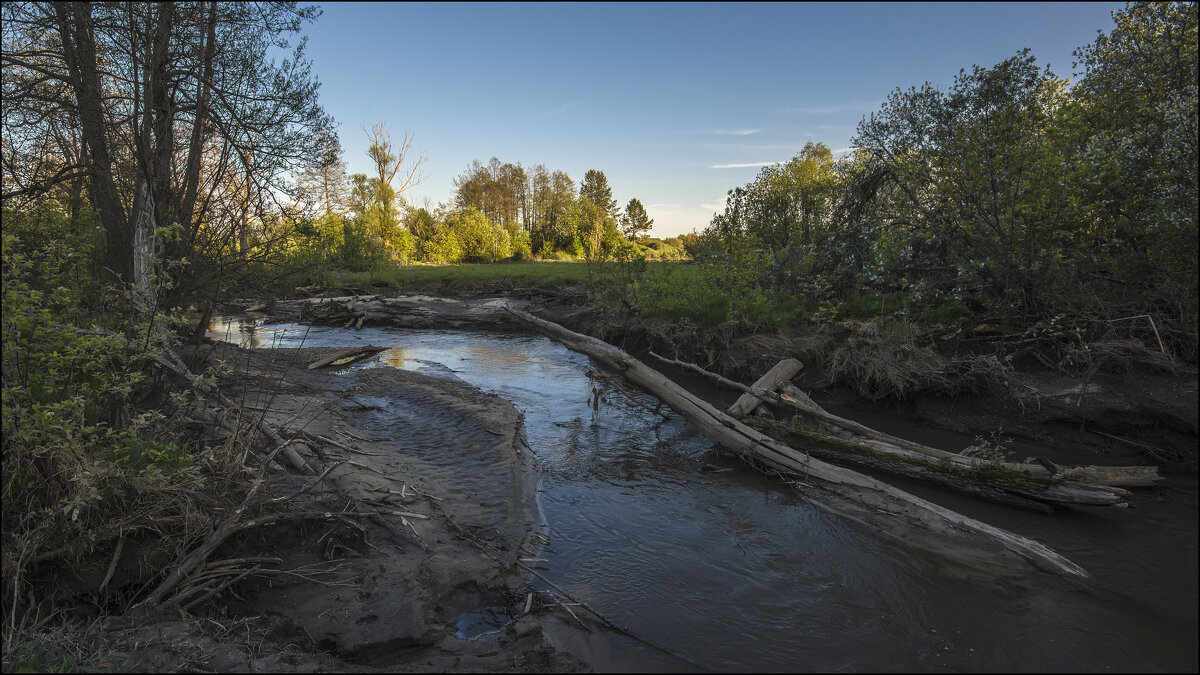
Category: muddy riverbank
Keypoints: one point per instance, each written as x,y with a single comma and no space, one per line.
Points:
444,468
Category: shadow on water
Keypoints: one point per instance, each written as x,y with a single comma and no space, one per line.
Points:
736,572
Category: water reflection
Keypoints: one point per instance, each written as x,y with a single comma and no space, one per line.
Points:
241,330
395,358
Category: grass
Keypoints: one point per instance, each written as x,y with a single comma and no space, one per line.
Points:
71,647
545,274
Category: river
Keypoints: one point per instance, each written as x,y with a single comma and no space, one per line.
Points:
736,571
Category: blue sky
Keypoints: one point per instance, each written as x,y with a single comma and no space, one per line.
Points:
676,103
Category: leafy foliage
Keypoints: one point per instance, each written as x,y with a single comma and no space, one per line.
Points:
1010,194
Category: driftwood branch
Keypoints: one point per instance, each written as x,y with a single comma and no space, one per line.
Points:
782,372
358,354
838,439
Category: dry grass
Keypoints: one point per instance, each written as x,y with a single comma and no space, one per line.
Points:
878,365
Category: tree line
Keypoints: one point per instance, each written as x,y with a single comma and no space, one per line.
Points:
1013,193
498,210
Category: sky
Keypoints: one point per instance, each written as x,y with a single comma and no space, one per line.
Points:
677,103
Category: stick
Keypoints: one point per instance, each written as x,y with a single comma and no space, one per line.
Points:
357,352
311,483
779,374
112,566
657,410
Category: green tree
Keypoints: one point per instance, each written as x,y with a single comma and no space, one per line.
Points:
1137,125
481,240
595,187
325,184
159,93
500,191
635,222
977,169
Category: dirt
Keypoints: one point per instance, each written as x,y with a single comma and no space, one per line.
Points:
449,457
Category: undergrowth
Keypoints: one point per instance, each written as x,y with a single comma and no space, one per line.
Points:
96,455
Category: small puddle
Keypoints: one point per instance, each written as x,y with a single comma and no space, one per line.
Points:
736,572
474,625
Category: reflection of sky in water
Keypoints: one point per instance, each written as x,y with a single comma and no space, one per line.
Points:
249,330
455,354
394,357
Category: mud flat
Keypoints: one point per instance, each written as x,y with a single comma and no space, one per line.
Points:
451,485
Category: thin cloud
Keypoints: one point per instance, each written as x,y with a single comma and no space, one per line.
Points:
734,132
718,206
842,151
826,109
742,165
757,148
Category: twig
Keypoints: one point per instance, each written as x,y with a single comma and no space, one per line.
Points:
112,566
214,539
425,494
356,437
230,562
656,410
1152,327
1154,452
364,466
711,375
574,616
219,588
311,483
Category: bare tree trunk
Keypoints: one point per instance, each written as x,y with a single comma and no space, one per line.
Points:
191,176
79,50
143,248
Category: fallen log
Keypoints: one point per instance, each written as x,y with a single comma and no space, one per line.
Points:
1111,476
781,372
358,353
843,439
879,498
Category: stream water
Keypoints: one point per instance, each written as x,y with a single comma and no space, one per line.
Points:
735,571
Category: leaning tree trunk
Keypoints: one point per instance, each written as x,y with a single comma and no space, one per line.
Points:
143,249
760,449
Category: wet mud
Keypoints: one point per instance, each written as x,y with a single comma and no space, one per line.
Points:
448,456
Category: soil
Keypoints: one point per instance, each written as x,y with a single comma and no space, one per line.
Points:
449,457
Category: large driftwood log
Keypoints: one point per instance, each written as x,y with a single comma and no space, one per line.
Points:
781,372
1113,476
357,352
760,449
837,439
